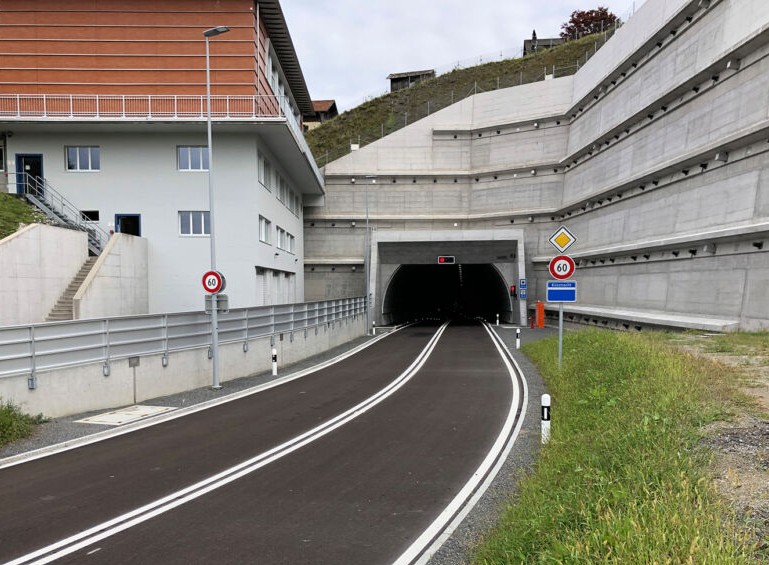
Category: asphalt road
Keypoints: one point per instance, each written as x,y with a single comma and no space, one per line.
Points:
361,493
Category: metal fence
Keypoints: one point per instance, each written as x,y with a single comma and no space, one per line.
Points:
39,347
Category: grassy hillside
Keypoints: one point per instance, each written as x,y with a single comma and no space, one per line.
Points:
14,211
378,117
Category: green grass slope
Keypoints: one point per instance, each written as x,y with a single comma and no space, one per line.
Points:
13,212
378,117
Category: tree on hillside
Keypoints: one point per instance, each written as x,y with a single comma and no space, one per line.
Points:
587,22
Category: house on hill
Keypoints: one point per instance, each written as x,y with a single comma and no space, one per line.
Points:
323,110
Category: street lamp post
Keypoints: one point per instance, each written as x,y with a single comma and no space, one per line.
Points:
367,256
213,32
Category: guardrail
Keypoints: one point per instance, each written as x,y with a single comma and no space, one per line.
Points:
40,347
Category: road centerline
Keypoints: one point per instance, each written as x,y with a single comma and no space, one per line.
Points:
106,529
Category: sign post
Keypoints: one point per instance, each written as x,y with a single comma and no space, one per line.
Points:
214,283
561,267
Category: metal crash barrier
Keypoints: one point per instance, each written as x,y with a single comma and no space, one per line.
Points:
27,349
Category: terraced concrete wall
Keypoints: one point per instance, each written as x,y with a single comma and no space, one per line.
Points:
654,154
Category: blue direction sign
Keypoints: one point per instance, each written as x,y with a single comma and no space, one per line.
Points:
522,293
561,291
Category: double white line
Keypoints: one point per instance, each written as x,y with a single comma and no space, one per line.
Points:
431,540
148,511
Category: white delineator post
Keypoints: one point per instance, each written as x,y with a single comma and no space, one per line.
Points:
497,319
274,362
517,338
545,418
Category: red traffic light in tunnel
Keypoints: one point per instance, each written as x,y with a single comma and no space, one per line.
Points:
512,290
446,259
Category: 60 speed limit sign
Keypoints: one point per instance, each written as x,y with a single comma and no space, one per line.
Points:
213,282
561,267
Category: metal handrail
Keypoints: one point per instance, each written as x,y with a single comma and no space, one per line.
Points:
43,195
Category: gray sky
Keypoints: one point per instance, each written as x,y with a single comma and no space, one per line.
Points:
348,47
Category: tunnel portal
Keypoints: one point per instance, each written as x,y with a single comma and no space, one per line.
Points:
446,292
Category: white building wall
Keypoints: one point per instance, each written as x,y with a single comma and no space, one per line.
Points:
139,175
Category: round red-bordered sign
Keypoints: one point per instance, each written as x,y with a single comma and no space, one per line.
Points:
213,282
561,267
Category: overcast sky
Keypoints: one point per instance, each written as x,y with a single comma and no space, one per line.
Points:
348,47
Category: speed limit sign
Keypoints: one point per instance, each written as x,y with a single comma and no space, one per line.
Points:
213,282
561,267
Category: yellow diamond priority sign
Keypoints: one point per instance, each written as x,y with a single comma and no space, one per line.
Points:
562,239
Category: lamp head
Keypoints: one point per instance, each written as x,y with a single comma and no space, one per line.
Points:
214,31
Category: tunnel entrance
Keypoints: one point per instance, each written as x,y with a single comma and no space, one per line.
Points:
447,292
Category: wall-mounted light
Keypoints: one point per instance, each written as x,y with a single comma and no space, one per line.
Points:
352,180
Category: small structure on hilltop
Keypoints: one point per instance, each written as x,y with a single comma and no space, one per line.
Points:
533,45
399,81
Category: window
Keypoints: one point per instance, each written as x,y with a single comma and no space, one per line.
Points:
291,243
265,231
2,158
90,215
286,241
260,165
81,158
194,223
193,157
267,181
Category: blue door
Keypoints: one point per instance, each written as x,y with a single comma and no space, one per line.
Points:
29,174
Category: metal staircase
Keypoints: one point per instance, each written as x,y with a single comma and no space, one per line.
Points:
60,210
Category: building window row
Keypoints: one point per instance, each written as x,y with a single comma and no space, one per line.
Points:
272,180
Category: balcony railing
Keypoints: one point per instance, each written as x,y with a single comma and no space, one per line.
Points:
151,107
98,106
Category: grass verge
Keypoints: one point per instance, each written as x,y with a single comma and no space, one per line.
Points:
622,479
14,424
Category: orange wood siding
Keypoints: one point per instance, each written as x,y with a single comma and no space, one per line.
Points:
128,47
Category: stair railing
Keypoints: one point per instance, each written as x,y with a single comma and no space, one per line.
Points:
54,205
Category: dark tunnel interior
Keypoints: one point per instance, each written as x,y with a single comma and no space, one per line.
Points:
446,292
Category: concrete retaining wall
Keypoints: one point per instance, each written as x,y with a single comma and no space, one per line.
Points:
117,284
84,388
654,155
37,263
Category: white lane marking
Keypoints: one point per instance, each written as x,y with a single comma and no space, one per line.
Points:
181,412
436,534
111,527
